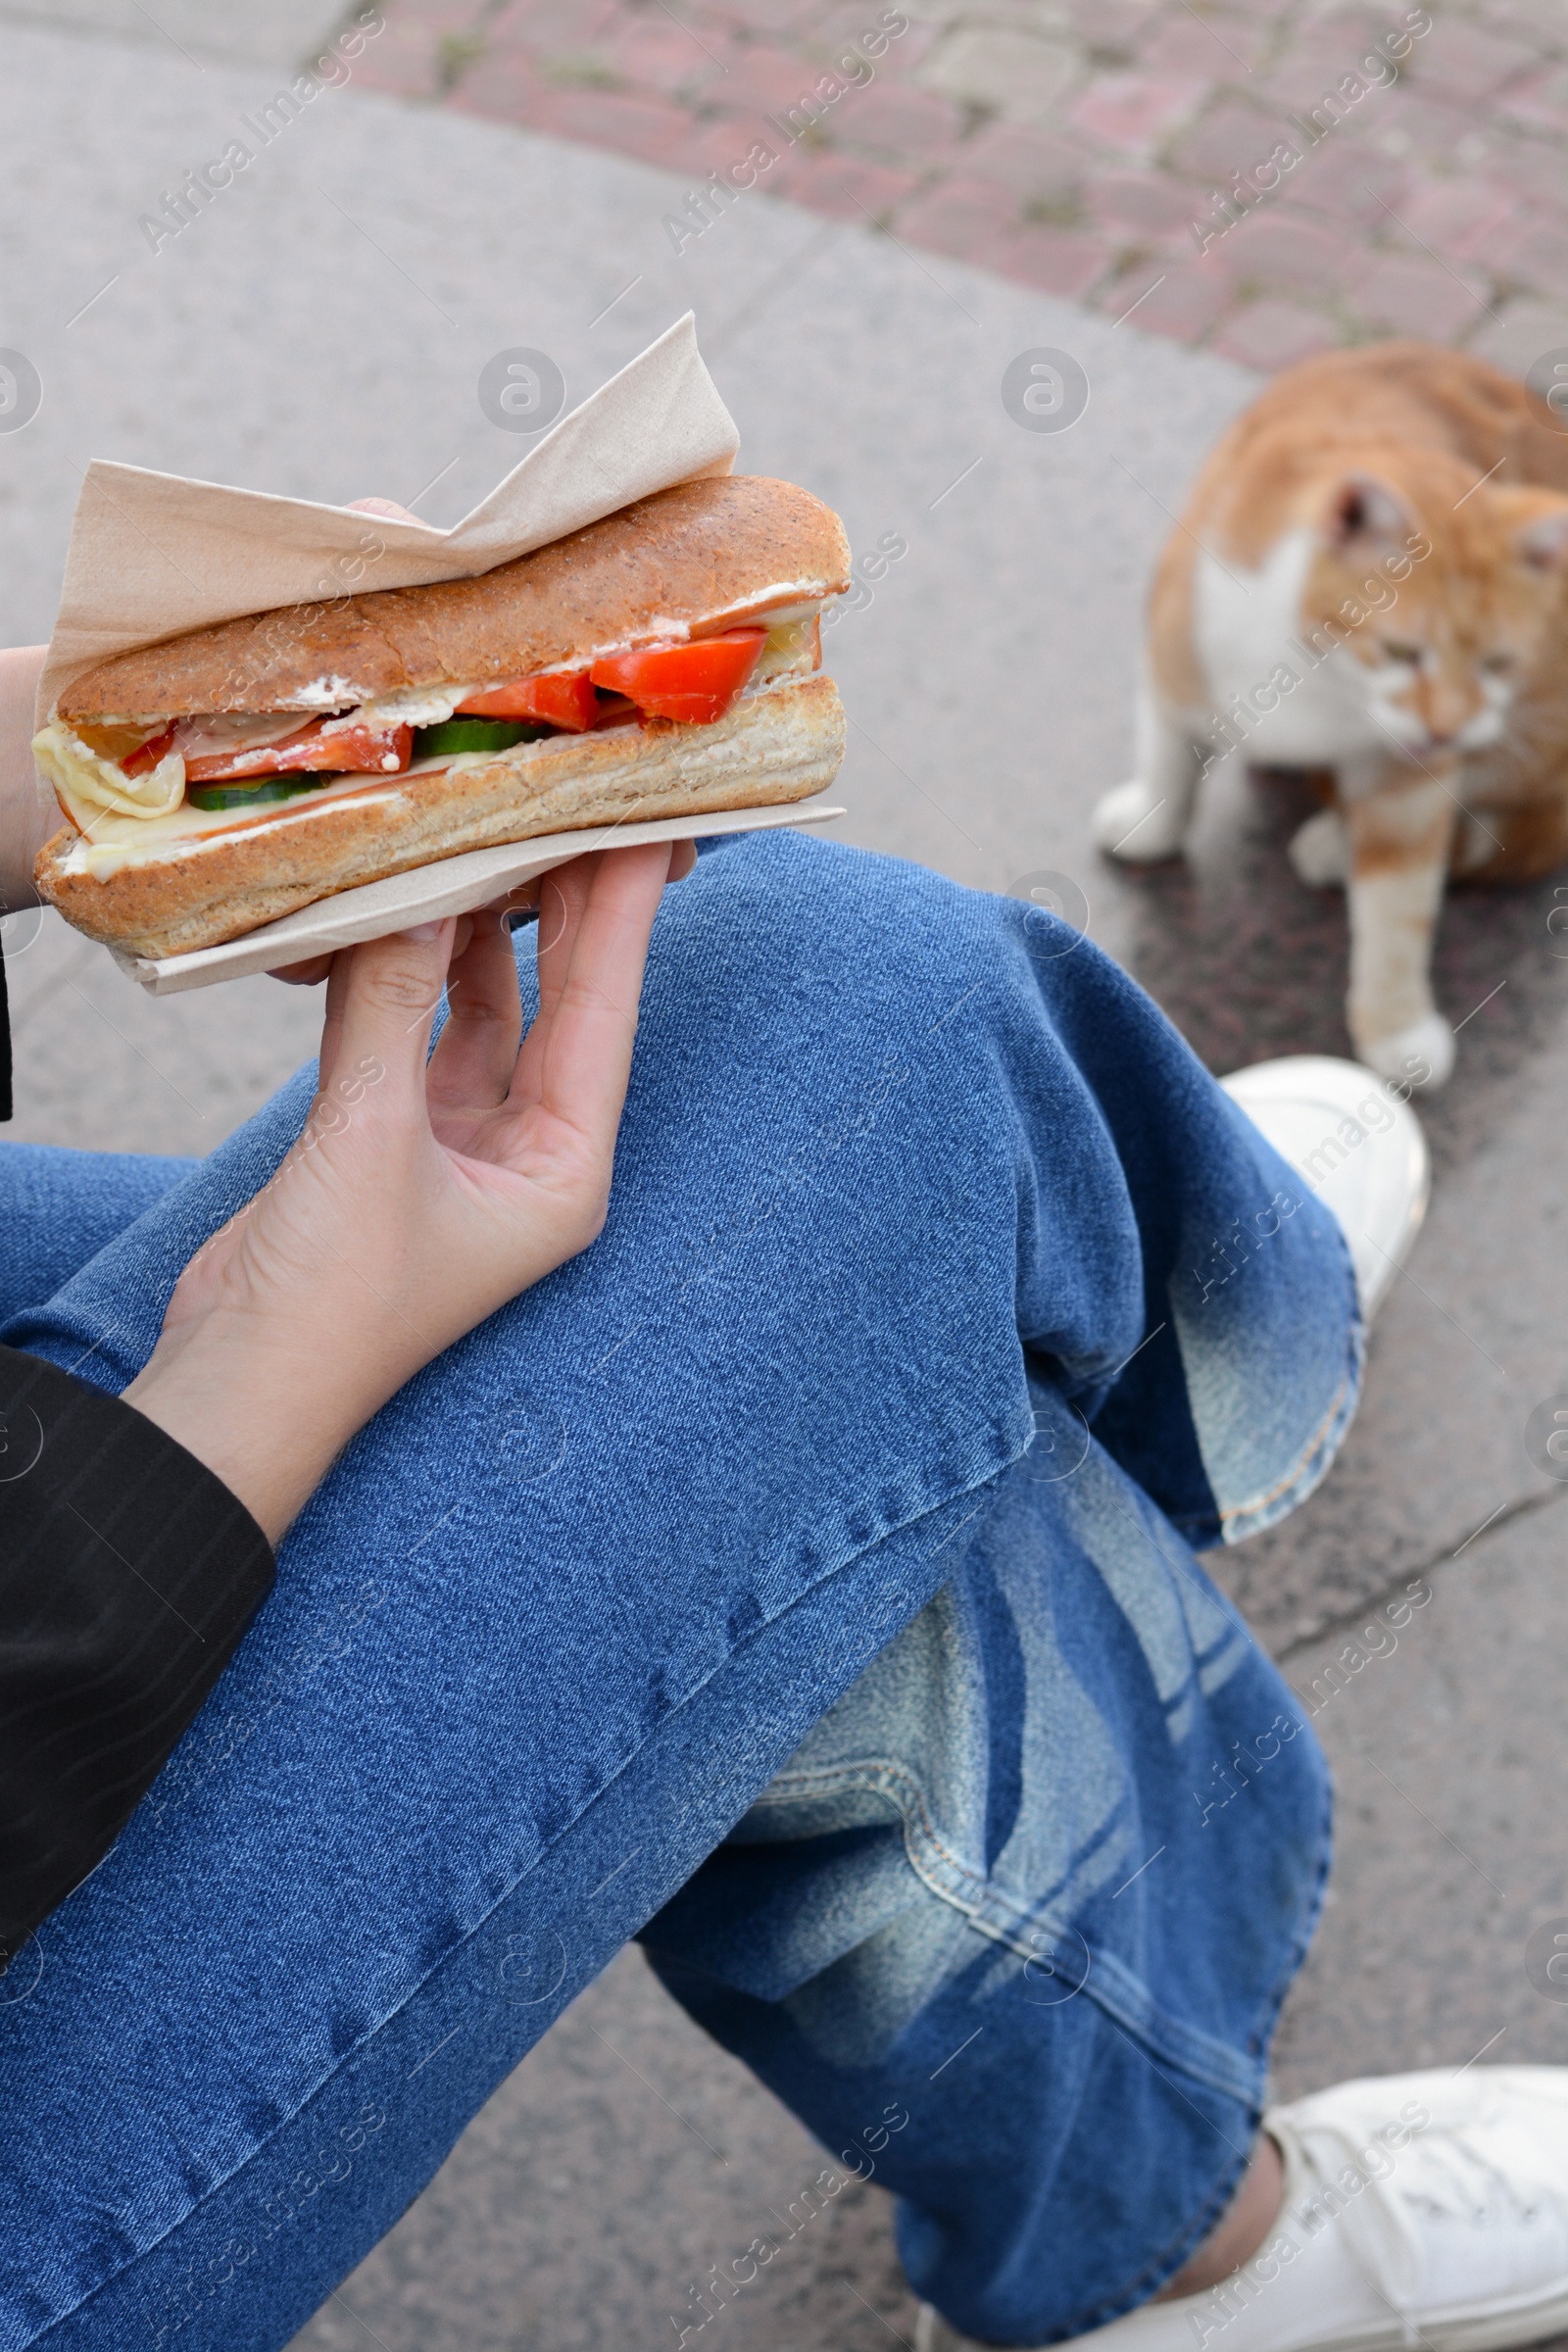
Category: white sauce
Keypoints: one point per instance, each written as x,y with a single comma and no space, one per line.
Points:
411,707
327,694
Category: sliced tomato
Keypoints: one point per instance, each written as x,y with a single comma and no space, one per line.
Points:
147,755
696,682
565,698
614,709
347,750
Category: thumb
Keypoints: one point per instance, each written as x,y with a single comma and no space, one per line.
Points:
381,1002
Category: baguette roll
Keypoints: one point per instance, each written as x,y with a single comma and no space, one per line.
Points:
157,863
704,555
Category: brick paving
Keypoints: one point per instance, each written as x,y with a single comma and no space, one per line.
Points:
1265,177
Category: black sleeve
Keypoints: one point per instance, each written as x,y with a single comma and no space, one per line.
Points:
127,1574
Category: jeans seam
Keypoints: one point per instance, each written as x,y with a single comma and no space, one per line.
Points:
991,1911
1161,2268
1232,1515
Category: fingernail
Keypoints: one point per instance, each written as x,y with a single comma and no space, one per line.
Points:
423,932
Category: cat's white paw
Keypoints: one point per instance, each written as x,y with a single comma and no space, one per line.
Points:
1475,845
1137,825
1320,851
1420,1057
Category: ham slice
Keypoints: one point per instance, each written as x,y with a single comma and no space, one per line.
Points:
325,746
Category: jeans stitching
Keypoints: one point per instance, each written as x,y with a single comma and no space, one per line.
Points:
1238,1520
1002,1917
1349,1385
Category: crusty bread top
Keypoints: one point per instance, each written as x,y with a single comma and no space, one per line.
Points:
684,555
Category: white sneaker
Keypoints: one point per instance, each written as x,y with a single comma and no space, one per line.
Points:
1422,2210
1353,1141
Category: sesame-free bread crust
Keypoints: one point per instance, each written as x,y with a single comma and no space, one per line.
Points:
688,555
781,743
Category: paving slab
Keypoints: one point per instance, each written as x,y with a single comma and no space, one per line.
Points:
321,331
286,33
1160,142
1449,1741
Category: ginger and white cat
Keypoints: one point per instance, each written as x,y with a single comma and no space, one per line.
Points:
1371,580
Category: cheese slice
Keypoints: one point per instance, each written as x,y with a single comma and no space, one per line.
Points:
103,784
110,842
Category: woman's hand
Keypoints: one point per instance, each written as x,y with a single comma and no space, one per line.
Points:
421,1196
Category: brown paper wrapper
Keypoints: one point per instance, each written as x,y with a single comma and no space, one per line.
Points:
154,555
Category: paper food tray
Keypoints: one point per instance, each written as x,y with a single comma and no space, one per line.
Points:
454,886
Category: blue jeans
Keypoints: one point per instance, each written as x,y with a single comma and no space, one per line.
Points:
799,1580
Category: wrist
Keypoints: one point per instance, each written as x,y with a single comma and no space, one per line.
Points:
26,819
265,1409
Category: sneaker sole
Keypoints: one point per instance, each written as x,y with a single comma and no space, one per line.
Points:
1524,2321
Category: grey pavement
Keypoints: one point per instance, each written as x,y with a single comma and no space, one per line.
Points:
1449,1749
280,34
319,331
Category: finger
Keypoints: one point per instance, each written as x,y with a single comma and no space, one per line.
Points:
312,969
586,1052
381,506
337,981
563,894
381,1000
477,1050
522,898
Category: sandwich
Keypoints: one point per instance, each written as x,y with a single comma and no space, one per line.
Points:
664,661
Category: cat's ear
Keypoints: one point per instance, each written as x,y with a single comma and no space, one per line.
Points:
1363,511
1543,544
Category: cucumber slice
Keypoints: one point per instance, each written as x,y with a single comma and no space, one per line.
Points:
475,735
263,788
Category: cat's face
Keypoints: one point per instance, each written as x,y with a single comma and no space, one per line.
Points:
1445,615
